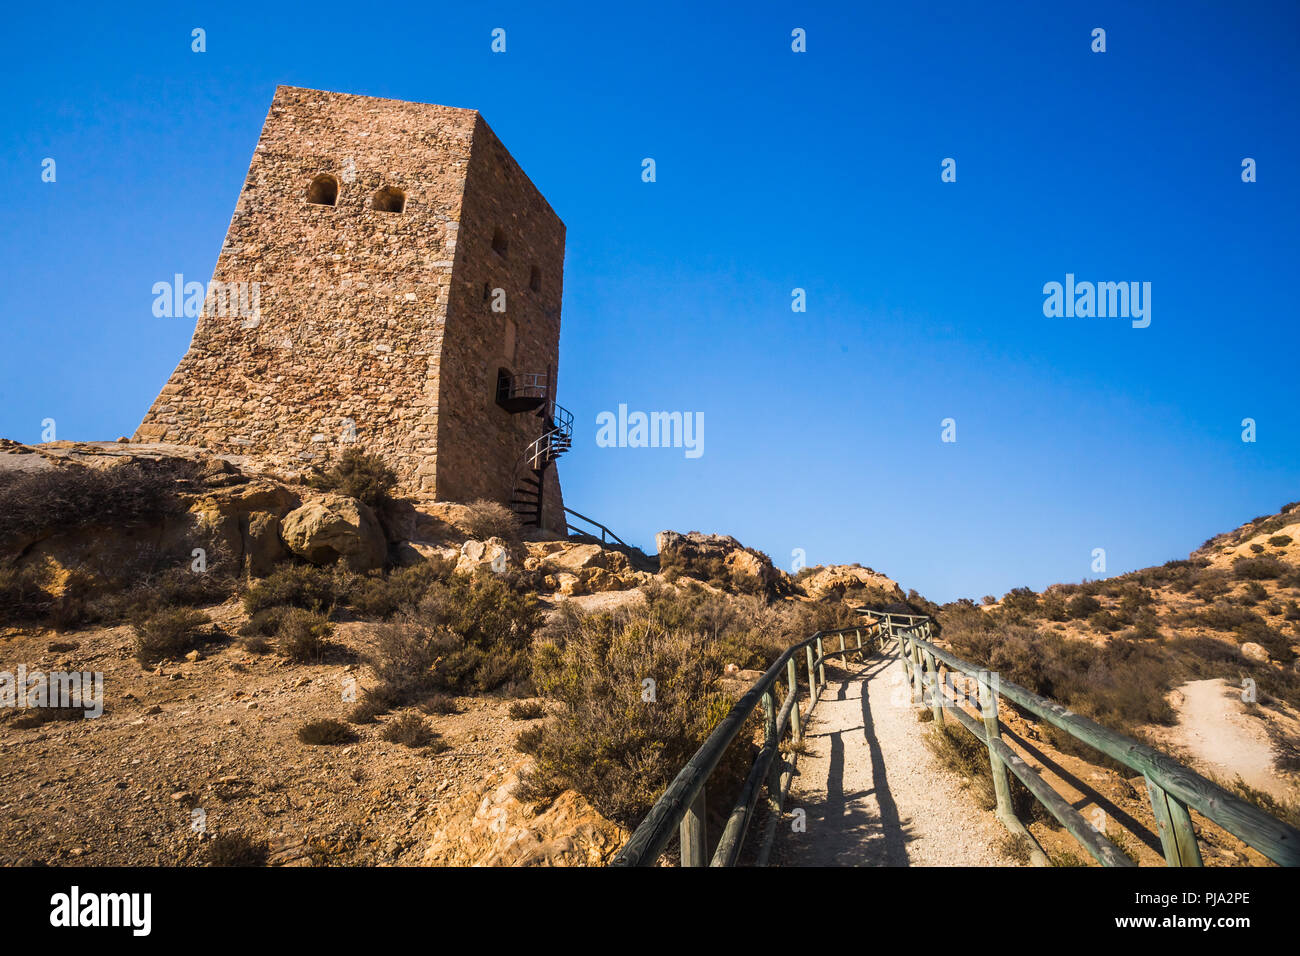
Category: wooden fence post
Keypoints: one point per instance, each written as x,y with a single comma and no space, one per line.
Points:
843,658
812,678
1177,838
857,632
918,695
792,678
989,708
691,833
821,668
936,703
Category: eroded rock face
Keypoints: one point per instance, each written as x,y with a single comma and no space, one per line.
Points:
838,578
335,527
502,831
696,550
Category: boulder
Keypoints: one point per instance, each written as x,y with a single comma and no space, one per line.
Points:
407,553
1254,652
575,558
334,527
493,554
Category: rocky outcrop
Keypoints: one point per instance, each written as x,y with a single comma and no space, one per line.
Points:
503,831
335,527
834,580
702,555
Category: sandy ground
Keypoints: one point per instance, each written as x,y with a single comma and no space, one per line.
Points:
873,792
1216,732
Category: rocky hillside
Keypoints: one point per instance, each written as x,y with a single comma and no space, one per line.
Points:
1197,657
299,669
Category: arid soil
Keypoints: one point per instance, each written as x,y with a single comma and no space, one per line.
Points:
218,735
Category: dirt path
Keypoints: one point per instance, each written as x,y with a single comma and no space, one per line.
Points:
873,792
1214,728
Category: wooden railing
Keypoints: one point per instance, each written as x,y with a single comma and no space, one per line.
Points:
681,809
1172,787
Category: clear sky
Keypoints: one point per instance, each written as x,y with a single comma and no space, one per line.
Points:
776,170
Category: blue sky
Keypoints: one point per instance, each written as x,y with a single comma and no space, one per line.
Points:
775,170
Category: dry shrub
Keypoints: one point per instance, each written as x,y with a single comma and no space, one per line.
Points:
295,585
470,634
303,636
1121,684
381,595
68,497
483,519
411,730
616,739
168,634
527,710
957,749
359,475
326,732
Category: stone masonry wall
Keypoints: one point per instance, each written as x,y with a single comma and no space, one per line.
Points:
476,437
377,318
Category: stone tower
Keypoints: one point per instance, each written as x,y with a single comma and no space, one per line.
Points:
405,279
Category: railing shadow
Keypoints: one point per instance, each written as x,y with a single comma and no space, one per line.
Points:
842,829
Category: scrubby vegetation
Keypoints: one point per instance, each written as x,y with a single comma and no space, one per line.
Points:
490,519
70,497
303,636
168,634
326,732
412,730
960,752
469,634
361,475
638,697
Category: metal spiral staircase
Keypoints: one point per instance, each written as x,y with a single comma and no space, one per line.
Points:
525,393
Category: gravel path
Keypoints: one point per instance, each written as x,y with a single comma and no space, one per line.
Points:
873,792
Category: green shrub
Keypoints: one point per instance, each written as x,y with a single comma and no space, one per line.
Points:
168,634
265,622
303,636
297,585
382,595
1083,606
326,732
1280,540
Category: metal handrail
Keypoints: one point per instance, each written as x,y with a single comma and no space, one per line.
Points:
525,385
592,521
1172,787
